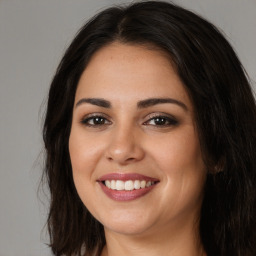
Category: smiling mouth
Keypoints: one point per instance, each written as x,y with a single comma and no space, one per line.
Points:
128,185
125,187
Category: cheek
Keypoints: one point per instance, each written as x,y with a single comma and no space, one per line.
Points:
178,153
84,152
180,161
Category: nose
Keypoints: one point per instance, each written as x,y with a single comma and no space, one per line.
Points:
125,146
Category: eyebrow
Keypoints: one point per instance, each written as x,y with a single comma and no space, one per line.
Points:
95,101
154,101
141,104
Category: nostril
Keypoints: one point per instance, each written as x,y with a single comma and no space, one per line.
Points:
110,158
130,159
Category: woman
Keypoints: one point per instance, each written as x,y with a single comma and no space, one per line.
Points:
150,139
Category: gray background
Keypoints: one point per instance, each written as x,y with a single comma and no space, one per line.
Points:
33,37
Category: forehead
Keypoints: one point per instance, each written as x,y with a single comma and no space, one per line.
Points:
124,70
130,56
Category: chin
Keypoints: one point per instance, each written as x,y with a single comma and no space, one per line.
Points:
131,229
127,224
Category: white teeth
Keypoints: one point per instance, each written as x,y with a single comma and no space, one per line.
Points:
108,184
137,184
119,185
143,184
113,184
128,185
148,184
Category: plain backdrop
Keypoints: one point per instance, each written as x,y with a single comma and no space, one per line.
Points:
33,37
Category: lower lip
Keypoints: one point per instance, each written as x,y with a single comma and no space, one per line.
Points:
124,195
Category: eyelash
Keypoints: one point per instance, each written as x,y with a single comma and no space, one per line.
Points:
163,121
100,120
97,118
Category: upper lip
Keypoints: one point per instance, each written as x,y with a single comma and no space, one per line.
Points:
126,176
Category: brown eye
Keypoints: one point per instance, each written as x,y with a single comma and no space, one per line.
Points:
161,121
95,121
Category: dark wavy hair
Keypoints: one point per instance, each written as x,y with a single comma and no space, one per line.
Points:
225,116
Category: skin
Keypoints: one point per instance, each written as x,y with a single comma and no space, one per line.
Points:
129,139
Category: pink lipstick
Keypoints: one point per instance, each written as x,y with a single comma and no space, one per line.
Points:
125,187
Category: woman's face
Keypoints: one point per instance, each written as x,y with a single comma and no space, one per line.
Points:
134,147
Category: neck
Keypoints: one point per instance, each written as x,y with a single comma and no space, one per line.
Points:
184,242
